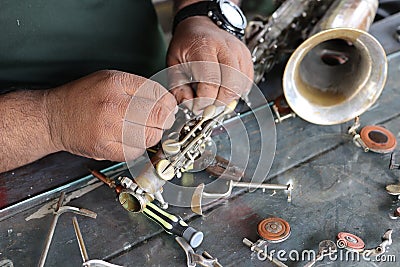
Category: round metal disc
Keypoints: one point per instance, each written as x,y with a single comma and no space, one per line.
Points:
378,139
164,170
350,241
274,229
393,189
170,148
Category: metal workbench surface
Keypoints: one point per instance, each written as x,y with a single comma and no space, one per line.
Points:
337,188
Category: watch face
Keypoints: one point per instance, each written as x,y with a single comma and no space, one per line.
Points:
233,14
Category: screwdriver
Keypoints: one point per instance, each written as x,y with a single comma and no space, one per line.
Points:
173,224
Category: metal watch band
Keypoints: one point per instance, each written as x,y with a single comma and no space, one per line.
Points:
196,9
204,8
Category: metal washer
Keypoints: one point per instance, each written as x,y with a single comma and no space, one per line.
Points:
273,229
371,134
351,241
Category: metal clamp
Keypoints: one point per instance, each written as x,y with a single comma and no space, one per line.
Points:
192,258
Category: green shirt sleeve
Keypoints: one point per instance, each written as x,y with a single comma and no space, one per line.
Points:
45,43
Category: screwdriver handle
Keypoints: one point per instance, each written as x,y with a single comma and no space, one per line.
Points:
173,224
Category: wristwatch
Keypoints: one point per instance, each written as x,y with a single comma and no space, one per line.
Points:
224,13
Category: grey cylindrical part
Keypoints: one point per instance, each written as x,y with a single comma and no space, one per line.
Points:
194,237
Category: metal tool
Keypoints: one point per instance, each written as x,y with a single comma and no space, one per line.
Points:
219,167
131,196
325,248
84,254
60,209
356,137
271,230
257,247
199,192
193,259
393,165
173,224
279,117
382,247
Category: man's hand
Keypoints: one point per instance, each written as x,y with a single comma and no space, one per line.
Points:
199,39
87,117
99,116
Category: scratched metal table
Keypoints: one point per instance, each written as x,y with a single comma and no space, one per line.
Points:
337,187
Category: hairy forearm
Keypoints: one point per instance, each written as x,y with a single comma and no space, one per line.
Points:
24,131
179,4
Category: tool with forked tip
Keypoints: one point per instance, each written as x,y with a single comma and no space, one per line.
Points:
199,192
84,254
60,209
193,259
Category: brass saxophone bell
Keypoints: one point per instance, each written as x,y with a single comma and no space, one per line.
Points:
339,72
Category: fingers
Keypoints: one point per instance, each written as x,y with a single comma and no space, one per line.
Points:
135,135
208,76
231,83
126,141
116,151
212,81
179,79
145,112
223,75
137,86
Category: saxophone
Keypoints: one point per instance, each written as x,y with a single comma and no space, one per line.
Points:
271,39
